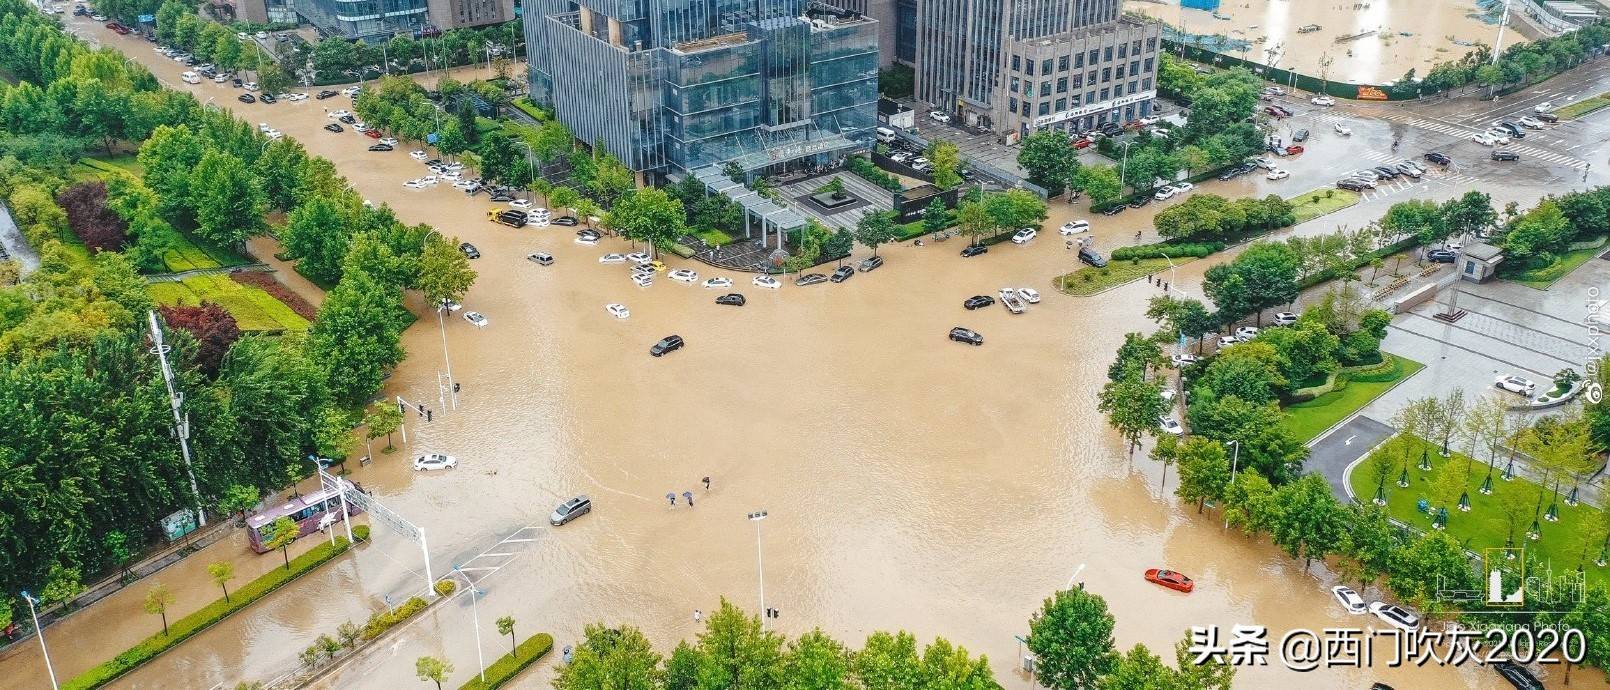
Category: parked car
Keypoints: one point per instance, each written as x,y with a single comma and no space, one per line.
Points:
1505,155
1326,101
1029,295
977,302
1441,256
1245,333
1549,118
1074,227
972,250
1515,384
1181,359
871,263
683,275
435,461
1024,235
570,510
540,258
842,274
1300,135
1410,169
1178,582
938,116
267,98
381,147
326,94
731,299
966,335
1349,599
1113,210
1544,107
1169,425
333,127
1517,675
1277,174
810,279
567,221
1395,616
477,318
469,250
767,282
1284,318
1092,257
1164,193
246,98
1530,122
670,343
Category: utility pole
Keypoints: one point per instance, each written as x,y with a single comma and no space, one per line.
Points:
41,633
181,421
1498,42
760,563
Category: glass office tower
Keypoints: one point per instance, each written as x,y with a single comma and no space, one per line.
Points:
674,85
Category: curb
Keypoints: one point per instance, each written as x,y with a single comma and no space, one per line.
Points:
1332,429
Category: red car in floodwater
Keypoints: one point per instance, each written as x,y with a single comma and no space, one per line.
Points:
1170,579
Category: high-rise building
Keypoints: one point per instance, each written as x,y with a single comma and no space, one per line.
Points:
381,19
676,85
1015,66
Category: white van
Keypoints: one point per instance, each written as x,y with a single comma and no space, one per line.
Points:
885,134
191,78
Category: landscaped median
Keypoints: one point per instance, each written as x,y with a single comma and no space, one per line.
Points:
510,665
1584,106
1315,203
1091,280
184,628
1354,388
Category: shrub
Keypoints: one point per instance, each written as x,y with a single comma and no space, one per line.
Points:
510,665
445,587
382,621
1174,250
866,169
182,629
360,532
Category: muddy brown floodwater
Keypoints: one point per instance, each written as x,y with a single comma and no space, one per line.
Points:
911,483
1408,34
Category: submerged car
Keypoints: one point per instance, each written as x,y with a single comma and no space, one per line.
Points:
810,279
670,343
1178,582
570,510
966,335
731,299
435,461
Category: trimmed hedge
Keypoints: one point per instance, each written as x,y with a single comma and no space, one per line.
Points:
1196,250
1360,262
525,105
866,169
187,627
382,621
510,665
360,533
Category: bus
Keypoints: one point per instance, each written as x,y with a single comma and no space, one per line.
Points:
311,512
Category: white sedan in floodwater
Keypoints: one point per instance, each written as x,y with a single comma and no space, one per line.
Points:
435,461
684,275
718,282
767,282
618,311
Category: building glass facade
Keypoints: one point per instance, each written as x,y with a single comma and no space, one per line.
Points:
674,85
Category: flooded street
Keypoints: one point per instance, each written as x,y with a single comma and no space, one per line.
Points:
911,483
1397,35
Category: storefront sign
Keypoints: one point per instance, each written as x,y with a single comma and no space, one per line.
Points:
1370,93
1119,102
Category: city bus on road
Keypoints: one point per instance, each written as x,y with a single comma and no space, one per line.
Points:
311,512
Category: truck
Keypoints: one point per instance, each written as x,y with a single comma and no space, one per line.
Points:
513,218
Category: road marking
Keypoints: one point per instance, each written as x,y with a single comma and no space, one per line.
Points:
1075,576
1349,440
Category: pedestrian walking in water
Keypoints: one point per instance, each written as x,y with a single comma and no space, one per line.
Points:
671,496
688,495
707,483
696,615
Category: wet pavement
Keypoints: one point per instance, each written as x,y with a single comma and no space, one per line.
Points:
911,482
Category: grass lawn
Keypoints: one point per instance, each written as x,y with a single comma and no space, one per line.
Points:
714,237
190,254
1315,203
1091,280
1542,278
1308,419
99,167
253,309
1584,106
1484,526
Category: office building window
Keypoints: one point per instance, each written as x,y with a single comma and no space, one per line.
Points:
1118,73
1062,85
1136,48
1028,108
1134,67
1045,66
1149,64
1045,108
1090,97
1062,64
1030,70
1091,77
1123,51
1095,56
1079,60
1146,84
1062,104
1011,104
1107,54
1074,100
1106,74
1078,80
1045,88
1028,89
1017,64
1106,93
1151,44
1133,87
1014,84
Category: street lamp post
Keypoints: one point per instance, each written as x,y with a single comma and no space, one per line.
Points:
1235,463
41,633
442,327
760,564
475,615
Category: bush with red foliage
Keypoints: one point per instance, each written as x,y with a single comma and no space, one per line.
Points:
274,287
213,328
90,219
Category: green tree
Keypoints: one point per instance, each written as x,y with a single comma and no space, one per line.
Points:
319,234
221,573
500,158
1139,669
157,599
973,220
888,661
1434,562
816,661
935,216
876,229
1210,673
647,215
1132,405
356,336
383,419
1591,615
1265,443
1071,638
101,111
1100,182
1137,354
444,272
1263,276
1416,218
506,627
949,667
1250,372
611,180
62,585
273,80
1249,502
1048,157
1181,317
1468,214
1308,520
281,533
168,157
228,200
734,651
433,669
947,163
611,659
279,172
1204,470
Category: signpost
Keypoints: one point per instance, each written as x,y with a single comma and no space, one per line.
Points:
378,511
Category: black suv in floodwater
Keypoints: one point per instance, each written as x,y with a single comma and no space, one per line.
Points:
974,250
966,335
1438,158
670,343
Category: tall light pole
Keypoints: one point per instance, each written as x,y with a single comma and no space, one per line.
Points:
1235,463
760,564
442,327
181,420
475,614
41,633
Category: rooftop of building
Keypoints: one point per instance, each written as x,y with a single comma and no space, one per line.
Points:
823,17
887,106
713,42
1123,20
